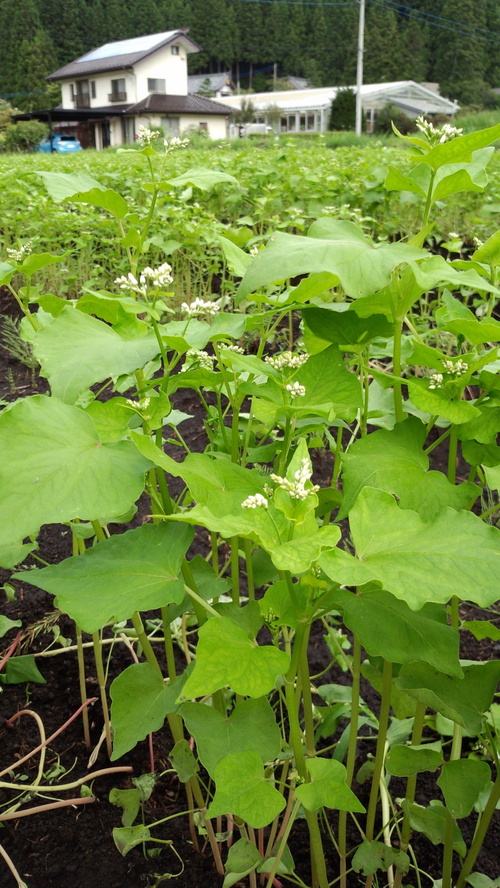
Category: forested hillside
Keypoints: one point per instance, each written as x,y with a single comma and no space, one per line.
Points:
454,42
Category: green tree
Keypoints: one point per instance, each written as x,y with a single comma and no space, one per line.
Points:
343,110
461,57
382,58
414,55
35,61
19,20
65,22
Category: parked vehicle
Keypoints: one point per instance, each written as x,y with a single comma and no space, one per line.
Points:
60,144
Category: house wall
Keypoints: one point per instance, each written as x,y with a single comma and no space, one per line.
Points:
214,125
171,68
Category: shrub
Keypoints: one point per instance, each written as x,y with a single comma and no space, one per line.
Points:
25,136
392,114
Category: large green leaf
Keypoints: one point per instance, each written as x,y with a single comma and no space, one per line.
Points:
462,781
327,787
403,761
464,700
395,461
242,788
77,350
388,628
336,247
134,571
242,858
227,656
83,189
204,179
251,725
460,150
432,822
53,468
140,702
329,383
418,561
436,403
335,323
373,856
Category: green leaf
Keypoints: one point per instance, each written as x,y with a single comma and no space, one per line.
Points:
134,571
204,179
403,761
227,656
373,856
6,625
82,188
183,761
327,787
251,725
474,331
63,471
127,799
13,554
462,781
395,461
415,181
335,323
236,258
328,382
37,261
141,700
461,149
452,178
489,252
436,403
128,837
20,669
77,350
464,700
242,858
482,629
418,561
241,788
336,247
432,823
388,628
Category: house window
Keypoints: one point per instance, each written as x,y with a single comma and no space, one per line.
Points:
203,125
171,125
156,85
82,99
92,88
118,93
175,50
72,91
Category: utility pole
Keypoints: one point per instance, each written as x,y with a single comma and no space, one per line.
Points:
359,68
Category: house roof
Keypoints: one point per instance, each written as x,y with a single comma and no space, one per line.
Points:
122,54
158,103
407,94
216,81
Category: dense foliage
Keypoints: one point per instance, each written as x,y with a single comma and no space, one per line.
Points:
455,42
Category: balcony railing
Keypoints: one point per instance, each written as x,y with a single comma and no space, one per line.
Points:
82,101
117,97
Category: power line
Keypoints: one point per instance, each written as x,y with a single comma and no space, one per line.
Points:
401,8
300,2
386,4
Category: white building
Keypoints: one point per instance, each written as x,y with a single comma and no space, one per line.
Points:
308,110
143,81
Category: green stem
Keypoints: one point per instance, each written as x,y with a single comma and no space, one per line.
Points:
456,747
82,684
351,755
287,437
452,455
378,764
247,545
145,643
169,647
101,679
411,785
282,845
396,369
235,569
428,202
481,830
448,850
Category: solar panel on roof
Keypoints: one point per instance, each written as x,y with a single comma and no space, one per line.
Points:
123,47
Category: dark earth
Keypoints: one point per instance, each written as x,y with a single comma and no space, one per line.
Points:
72,847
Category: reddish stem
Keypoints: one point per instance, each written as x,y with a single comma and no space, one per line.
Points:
11,650
64,803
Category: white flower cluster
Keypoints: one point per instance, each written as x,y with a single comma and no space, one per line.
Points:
159,277
458,369
256,501
437,135
254,251
130,282
477,242
286,361
233,348
200,307
297,487
146,136
436,381
197,356
296,390
20,254
175,143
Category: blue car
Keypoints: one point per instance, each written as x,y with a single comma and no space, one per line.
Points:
60,144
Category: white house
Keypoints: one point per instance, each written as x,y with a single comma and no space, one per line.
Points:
308,110
143,81
217,84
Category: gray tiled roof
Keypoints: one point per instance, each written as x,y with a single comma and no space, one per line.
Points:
217,81
122,54
163,104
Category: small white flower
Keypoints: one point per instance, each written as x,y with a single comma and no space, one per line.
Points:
457,368
159,277
174,143
254,251
453,234
233,348
200,307
20,254
129,282
477,242
286,360
436,381
195,356
297,488
296,390
437,135
146,136
255,501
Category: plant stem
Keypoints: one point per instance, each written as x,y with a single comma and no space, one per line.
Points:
8,861
448,850
411,785
281,849
101,678
247,545
235,570
452,454
396,369
62,803
169,647
385,706
481,830
145,643
351,754
82,684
